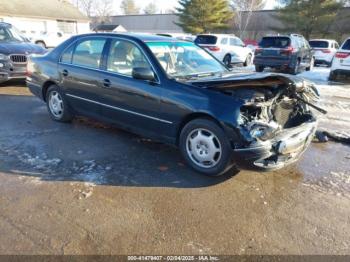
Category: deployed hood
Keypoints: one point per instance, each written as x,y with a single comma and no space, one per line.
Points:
14,47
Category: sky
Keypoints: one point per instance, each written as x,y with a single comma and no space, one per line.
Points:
164,5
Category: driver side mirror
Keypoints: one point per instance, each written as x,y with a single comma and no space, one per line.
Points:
143,73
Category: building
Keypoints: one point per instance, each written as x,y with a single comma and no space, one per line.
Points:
43,16
261,23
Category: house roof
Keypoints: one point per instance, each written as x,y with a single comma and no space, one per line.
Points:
49,9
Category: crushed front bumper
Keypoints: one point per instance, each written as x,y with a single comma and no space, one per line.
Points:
284,149
10,70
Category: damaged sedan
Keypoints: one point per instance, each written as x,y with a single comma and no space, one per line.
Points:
175,92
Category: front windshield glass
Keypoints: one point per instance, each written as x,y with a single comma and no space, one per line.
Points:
185,60
9,33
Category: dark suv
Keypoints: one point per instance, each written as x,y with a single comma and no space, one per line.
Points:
287,53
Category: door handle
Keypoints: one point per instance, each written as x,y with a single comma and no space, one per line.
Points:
106,83
65,72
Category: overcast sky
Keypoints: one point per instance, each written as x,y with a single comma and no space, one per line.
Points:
164,5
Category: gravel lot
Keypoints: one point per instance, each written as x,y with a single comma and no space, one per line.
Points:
89,188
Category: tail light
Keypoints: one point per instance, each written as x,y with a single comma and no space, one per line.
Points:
326,51
342,55
213,48
287,51
258,50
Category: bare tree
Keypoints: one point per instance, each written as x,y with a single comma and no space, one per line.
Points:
129,7
243,12
151,8
99,8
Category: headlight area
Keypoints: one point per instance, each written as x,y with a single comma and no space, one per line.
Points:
3,60
257,124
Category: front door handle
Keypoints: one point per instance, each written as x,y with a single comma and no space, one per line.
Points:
65,72
106,83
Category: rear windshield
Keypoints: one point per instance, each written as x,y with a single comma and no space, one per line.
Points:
206,39
346,45
275,42
319,44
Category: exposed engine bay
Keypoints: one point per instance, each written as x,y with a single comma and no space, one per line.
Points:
272,103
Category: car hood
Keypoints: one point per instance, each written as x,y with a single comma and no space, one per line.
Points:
233,80
8,48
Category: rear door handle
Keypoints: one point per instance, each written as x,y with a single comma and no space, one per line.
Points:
106,83
65,72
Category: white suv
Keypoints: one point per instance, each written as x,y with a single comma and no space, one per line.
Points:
227,48
341,61
324,49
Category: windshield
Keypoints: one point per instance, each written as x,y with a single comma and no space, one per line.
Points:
319,44
185,59
275,42
9,33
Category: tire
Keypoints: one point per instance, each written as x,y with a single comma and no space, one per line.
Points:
248,60
312,63
57,105
295,69
227,60
208,156
332,76
41,43
259,68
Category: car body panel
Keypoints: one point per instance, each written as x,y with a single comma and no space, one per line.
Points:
342,64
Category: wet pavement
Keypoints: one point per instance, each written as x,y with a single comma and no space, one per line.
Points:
89,188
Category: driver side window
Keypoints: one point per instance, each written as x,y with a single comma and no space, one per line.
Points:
123,56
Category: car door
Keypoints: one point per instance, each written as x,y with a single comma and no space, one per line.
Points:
238,49
127,101
80,74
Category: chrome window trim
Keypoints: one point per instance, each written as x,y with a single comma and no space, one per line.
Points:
120,109
106,71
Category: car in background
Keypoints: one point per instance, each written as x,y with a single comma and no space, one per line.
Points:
341,61
324,50
14,51
287,53
252,44
227,48
175,92
49,39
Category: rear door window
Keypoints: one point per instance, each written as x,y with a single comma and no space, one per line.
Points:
224,41
206,40
275,42
346,45
319,44
89,53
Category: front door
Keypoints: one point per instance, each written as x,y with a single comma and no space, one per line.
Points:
130,102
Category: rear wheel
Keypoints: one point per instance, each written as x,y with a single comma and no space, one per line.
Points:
57,105
248,60
205,147
312,63
295,69
259,68
227,60
332,76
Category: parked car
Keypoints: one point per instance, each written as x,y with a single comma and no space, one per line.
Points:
227,48
341,61
175,92
14,50
287,53
324,50
186,37
49,39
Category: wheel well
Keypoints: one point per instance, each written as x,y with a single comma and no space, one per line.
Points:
45,87
191,117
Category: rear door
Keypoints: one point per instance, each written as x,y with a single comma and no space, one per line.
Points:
345,51
275,50
80,74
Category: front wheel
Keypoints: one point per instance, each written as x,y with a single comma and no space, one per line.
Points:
227,60
205,147
248,60
57,105
332,76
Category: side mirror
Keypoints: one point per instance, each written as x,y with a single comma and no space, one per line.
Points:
143,73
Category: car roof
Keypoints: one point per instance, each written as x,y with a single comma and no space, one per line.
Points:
218,35
3,24
328,40
134,36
